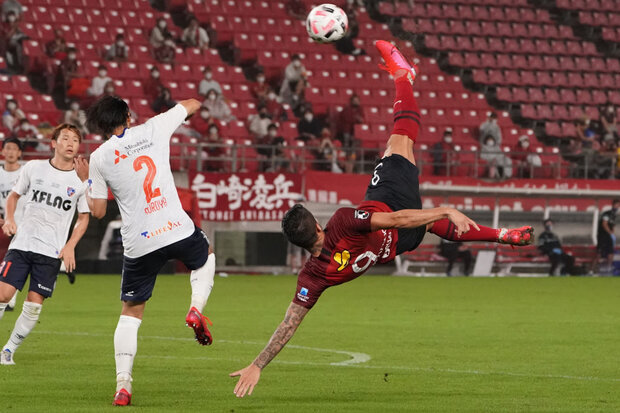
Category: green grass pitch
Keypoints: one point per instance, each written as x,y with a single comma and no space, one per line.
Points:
435,345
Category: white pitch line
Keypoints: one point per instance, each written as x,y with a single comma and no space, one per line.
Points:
361,358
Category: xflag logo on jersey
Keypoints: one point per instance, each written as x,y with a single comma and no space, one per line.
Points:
119,156
343,259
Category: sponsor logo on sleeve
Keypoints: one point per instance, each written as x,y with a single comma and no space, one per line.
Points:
302,295
359,214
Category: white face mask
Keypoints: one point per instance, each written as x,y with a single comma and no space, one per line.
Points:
297,63
308,117
212,96
120,43
525,144
71,57
273,133
169,43
271,96
11,106
260,79
75,106
448,139
208,75
490,142
103,73
11,19
162,25
204,114
155,75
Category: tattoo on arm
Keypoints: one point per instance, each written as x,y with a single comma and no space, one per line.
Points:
294,315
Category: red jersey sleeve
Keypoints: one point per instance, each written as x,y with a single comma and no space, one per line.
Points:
356,220
309,288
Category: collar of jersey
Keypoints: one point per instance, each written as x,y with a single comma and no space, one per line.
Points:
122,134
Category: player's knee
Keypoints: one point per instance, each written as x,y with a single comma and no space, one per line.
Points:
6,292
31,310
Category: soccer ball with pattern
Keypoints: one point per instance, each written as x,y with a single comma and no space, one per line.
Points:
327,23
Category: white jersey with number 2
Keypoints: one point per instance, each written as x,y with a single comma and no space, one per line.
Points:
136,167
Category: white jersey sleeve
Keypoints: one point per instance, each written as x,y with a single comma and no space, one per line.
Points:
82,204
98,187
23,182
166,123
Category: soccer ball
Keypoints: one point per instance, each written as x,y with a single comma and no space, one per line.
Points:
327,23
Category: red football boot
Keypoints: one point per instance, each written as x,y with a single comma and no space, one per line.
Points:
199,322
395,61
122,398
516,236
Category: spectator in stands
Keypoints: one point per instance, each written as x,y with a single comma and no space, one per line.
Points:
11,37
500,165
586,134
490,127
309,127
69,81
195,36
76,116
153,85
609,122
271,151
167,51
217,106
118,51
159,33
261,88
163,102
259,123
215,149
296,9
99,82
27,133
9,6
456,251
328,153
294,82
549,244
274,107
57,47
200,124
524,158
12,115
208,83
351,115
110,89
606,237
440,152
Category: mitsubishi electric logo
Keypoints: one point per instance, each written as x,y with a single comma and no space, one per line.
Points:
119,156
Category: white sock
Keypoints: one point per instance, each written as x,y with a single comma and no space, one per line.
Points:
125,348
2,308
24,325
202,283
13,300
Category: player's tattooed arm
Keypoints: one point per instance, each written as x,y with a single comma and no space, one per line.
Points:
294,316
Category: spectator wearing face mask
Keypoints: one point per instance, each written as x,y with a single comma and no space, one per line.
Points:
500,165
57,47
490,127
214,151
258,123
260,88
524,158
27,133
69,80
218,108
9,6
328,153
11,37
274,107
609,122
296,9
272,152
159,33
440,152
208,83
118,51
195,36
549,244
167,51
309,127
201,123
351,115
163,102
12,115
99,82
294,82
76,116
153,85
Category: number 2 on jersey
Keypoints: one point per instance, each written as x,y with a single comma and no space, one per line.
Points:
151,170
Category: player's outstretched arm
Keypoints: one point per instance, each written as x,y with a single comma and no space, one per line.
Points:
191,106
249,376
413,218
9,227
67,253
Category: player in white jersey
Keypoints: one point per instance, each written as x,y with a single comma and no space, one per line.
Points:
135,164
11,152
53,192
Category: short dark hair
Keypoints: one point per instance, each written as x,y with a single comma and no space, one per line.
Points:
107,114
299,227
547,220
14,140
63,126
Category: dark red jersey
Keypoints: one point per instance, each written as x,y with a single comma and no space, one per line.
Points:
349,249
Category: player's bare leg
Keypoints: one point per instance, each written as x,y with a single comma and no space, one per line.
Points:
202,283
25,323
125,348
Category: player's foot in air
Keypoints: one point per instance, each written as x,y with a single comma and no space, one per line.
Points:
6,358
122,398
395,63
516,236
199,322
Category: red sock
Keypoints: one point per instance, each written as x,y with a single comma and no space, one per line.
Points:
406,112
447,230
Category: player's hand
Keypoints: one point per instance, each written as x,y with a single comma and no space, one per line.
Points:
67,254
462,222
1,221
9,228
248,377
80,164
